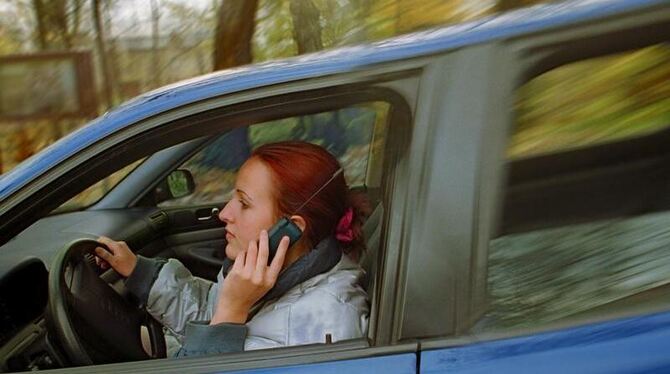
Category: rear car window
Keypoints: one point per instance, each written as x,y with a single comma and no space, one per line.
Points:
593,101
585,226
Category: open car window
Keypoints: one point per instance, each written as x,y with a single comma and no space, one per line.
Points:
355,135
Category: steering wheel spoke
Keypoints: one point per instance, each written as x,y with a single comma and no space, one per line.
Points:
93,322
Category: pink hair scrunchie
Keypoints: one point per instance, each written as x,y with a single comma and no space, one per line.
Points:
344,232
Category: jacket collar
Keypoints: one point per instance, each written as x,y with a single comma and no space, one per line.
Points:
319,260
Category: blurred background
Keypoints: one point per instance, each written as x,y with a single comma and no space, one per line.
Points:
64,62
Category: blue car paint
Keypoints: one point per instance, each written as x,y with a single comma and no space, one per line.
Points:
342,60
632,345
395,364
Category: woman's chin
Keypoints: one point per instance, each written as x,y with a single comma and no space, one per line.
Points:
231,251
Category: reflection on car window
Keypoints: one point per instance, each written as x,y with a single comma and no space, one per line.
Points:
95,192
585,232
353,134
593,101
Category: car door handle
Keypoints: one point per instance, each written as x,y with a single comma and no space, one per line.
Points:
213,213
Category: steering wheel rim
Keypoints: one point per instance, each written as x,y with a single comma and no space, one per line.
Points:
93,323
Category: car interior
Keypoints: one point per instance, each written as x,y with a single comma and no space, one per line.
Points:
72,331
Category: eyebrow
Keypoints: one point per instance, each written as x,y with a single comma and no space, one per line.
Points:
245,194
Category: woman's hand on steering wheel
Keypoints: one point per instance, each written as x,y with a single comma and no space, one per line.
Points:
119,256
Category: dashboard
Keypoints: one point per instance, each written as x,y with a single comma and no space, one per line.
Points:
25,343
23,299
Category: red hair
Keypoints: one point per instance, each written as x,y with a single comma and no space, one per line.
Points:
299,169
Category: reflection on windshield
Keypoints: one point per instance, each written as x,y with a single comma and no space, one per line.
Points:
92,194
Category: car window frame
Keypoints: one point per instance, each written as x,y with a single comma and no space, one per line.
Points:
196,124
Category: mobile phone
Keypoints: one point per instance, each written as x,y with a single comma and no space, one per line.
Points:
283,227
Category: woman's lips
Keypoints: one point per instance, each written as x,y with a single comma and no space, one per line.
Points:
229,236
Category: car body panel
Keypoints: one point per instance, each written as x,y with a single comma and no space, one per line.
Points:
401,363
631,345
445,184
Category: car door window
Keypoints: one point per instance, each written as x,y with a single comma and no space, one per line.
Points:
355,135
586,222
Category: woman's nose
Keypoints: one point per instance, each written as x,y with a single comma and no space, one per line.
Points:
225,215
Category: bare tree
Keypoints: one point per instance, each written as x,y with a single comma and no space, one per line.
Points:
155,41
306,26
102,53
505,5
307,34
58,23
236,21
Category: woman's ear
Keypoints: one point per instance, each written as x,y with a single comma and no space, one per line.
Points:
300,222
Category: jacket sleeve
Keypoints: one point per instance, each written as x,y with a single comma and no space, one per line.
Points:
202,338
177,297
143,276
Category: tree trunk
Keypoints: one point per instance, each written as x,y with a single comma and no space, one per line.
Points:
102,53
236,21
505,5
306,26
155,40
53,31
40,16
60,21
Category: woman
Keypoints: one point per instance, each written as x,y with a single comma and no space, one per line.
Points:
309,292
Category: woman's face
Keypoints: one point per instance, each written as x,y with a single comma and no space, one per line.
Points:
251,209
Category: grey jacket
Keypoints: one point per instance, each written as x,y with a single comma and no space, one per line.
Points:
308,309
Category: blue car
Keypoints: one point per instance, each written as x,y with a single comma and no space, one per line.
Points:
497,243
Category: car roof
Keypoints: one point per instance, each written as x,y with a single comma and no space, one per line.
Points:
519,22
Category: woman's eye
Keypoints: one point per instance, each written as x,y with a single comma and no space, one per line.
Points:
244,204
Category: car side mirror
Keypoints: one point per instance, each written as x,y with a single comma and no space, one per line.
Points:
178,183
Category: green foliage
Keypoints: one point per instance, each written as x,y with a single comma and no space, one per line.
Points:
273,37
594,101
273,131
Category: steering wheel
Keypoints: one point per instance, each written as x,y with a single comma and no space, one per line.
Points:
93,323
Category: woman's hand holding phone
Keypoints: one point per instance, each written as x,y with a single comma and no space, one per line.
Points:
248,280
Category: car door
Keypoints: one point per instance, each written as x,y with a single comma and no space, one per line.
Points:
373,103
564,253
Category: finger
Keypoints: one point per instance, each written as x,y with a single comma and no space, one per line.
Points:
109,243
278,261
252,254
103,254
238,265
263,252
